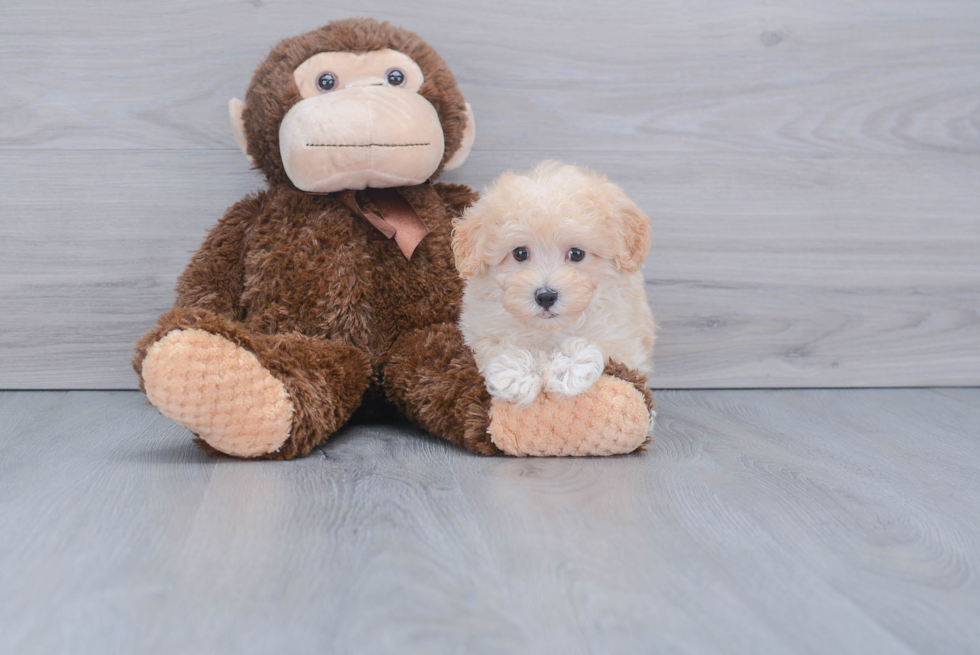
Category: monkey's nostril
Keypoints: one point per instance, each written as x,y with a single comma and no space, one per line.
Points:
545,297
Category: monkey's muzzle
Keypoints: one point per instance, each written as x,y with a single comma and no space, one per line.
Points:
359,137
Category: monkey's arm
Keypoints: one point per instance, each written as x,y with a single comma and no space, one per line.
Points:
209,290
214,278
456,197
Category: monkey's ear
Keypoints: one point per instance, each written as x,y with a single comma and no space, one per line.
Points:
235,111
467,231
634,232
469,134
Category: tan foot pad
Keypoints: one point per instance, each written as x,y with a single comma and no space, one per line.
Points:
218,391
611,418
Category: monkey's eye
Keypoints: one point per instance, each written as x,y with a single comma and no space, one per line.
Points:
521,253
576,254
395,77
326,82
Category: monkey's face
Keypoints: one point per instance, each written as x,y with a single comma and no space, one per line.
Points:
354,120
361,123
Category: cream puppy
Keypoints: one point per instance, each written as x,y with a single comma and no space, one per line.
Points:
553,288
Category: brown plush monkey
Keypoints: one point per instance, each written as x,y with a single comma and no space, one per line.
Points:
308,300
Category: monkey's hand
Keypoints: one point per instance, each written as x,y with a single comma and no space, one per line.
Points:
513,376
574,367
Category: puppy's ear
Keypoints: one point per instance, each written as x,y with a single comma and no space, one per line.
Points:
634,231
466,241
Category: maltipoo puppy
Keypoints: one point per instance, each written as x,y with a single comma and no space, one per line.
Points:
553,285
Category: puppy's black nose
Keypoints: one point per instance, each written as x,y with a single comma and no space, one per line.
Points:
545,297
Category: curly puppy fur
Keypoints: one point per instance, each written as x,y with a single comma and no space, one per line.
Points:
517,242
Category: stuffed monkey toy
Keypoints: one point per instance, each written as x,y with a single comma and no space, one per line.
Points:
335,288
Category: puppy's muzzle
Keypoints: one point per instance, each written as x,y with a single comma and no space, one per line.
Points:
546,298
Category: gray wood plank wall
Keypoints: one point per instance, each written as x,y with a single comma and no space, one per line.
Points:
812,168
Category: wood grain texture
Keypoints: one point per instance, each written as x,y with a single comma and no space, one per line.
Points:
780,521
810,168
896,77
765,271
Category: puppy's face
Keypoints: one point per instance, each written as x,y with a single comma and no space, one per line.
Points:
548,277
547,240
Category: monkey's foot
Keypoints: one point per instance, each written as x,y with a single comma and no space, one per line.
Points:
611,418
219,391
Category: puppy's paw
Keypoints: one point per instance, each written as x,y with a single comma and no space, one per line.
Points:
513,377
574,368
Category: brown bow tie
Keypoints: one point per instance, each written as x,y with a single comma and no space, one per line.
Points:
398,219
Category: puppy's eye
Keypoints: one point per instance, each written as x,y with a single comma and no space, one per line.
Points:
521,253
326,82
576,254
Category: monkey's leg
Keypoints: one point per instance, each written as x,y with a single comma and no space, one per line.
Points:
433,379
613,417
246,394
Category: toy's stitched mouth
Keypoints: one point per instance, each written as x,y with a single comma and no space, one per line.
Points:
366,145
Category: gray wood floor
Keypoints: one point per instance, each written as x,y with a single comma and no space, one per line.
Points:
782,521
810,167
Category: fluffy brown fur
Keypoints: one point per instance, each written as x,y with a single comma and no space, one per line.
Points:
321,298
327,304
433,376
